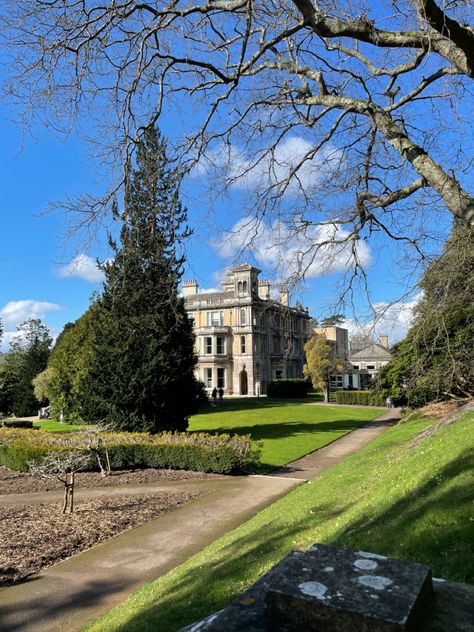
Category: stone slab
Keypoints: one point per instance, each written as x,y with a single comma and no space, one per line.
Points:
289,597
329,588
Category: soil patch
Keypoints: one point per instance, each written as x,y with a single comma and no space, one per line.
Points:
12,482
34,537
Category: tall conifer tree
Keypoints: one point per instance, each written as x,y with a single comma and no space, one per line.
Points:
142,372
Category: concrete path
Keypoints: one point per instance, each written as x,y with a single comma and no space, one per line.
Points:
69,595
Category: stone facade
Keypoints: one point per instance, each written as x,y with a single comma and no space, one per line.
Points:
244,338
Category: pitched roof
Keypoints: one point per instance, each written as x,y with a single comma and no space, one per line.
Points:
371,352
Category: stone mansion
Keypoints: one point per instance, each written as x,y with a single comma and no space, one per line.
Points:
243,337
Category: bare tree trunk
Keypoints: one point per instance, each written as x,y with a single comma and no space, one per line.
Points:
326,393
66,497
71,493
109,469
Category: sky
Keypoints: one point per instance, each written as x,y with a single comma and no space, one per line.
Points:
46,274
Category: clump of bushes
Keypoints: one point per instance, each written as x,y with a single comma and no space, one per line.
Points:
362,398
223,454
17,423
288,388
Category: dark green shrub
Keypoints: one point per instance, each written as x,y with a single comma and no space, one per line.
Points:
361,398
18,423
288,388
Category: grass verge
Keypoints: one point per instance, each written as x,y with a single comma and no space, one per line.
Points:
288,429
407,501
51,425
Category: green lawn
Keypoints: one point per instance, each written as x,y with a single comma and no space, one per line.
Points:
289,429
50,425
408,501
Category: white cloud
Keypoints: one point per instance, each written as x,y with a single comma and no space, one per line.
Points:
16,312
209,290
82,267
293,167
296,250
392,320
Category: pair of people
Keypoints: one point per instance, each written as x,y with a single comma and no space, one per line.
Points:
216,392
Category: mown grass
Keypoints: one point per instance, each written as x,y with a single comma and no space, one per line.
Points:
407,501
51,425
289,429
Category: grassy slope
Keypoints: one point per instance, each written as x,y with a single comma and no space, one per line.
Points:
408,502
50,425
289,429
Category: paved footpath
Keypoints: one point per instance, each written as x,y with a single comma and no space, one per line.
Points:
76,591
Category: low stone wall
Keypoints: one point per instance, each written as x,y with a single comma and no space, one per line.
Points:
328,589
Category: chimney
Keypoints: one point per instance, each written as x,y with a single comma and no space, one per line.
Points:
284,296
264,289
190,288
383,340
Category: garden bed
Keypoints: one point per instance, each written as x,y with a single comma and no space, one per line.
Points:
12,482
37,536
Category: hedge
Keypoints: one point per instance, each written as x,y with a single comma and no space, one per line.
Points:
202,452
362,398
288,388
17,423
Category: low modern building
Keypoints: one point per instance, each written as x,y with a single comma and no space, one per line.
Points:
360,365
243,337
369,360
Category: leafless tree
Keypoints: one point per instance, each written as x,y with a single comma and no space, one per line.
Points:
343,120
96,445
62,466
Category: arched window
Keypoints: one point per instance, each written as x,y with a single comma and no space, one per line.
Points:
239,287
244,287
242,344
243,317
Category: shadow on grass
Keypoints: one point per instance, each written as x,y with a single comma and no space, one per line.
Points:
252,403
210,584
286,429
447,544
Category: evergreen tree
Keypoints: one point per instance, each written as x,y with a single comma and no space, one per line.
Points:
141,377
434,362
28,356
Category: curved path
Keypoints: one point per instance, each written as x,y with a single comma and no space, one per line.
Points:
76,591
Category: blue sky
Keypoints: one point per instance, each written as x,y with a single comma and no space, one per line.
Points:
35,252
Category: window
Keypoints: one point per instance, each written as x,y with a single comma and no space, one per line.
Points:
355,367
239,287
220,378
242,344
208,378
214,319
276,344
208,345
370,367
244,287
220,345
243,316
278,374
335,381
